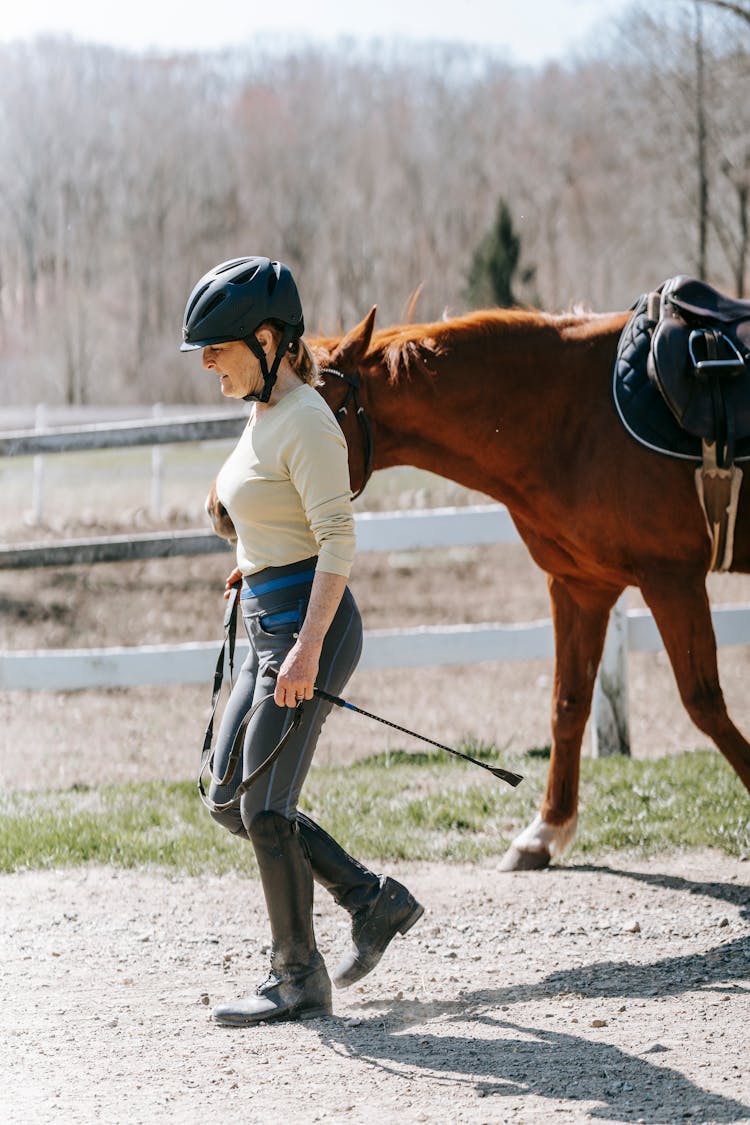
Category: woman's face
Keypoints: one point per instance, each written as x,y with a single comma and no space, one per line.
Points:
238,369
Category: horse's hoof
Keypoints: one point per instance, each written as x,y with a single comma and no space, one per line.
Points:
516,860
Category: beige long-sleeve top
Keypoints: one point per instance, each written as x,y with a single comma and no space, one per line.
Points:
286,487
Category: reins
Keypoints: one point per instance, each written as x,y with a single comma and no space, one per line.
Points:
352,395
207,757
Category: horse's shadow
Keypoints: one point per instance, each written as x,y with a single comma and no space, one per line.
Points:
734,894
532,1061
713,969
554,1064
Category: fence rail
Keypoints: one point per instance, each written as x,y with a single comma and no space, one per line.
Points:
107,435
111,548
427,646
376,531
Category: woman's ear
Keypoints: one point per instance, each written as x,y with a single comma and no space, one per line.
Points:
266,340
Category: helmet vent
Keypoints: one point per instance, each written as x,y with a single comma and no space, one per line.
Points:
196,298
243,278
230,265
213,304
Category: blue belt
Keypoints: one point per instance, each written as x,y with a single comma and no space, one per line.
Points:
276,584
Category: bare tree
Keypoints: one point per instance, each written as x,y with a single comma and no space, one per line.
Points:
371,172
736,9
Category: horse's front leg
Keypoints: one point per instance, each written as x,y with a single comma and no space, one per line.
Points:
682,612
580,622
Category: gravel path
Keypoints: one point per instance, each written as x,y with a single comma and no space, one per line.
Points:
616,992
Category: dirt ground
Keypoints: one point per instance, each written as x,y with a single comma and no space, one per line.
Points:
611,992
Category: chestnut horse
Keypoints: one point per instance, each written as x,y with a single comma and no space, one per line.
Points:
518,405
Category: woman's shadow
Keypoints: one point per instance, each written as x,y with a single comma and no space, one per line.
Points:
518,1060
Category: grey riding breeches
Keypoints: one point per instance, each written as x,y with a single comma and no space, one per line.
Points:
273,604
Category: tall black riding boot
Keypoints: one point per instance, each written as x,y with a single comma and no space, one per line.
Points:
298,986
380,907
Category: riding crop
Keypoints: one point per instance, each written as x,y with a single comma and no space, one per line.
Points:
504,775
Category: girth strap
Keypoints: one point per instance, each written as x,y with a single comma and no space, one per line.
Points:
207,756
718,489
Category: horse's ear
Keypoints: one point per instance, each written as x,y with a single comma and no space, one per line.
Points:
353,348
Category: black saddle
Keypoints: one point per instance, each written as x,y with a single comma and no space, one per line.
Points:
682,373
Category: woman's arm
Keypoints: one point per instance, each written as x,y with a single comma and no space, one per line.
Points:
296,678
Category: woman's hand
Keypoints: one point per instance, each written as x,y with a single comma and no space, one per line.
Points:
232,580
296,678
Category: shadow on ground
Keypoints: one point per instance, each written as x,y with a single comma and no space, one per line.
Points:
521,1060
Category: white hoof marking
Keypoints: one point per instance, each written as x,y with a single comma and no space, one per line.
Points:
550,838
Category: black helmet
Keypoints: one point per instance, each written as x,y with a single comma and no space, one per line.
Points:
235,298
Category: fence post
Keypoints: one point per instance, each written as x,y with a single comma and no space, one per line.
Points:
37,493
610,727
157,469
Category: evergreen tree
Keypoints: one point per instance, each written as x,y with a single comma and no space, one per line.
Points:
496,263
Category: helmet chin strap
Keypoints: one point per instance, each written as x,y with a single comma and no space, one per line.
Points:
269,377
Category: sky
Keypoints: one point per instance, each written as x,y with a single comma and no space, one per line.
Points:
525,31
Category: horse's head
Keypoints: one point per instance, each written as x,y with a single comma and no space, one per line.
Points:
219,516
340,359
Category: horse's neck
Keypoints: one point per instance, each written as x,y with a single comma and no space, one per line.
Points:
488,413
433,430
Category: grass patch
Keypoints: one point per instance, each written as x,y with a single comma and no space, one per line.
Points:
392,806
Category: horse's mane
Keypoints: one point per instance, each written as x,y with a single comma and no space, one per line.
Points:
408,348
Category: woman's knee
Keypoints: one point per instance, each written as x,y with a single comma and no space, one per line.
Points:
269,822
278,804
231,819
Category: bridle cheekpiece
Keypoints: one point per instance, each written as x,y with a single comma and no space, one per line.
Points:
352,396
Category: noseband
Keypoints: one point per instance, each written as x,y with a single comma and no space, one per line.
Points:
352,395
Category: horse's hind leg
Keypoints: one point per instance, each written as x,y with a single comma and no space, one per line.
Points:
580,618
682,612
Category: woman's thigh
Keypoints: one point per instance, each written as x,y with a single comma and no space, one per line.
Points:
278,790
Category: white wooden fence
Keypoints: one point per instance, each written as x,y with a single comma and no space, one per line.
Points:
629,631
70,670
125,427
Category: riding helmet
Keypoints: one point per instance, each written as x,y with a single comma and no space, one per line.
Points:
236,297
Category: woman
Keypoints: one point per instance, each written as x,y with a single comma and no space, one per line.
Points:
286,488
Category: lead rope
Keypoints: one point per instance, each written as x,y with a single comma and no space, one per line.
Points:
207,754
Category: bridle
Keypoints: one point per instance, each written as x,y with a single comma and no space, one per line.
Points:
352,396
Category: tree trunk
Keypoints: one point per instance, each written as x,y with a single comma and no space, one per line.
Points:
701,133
